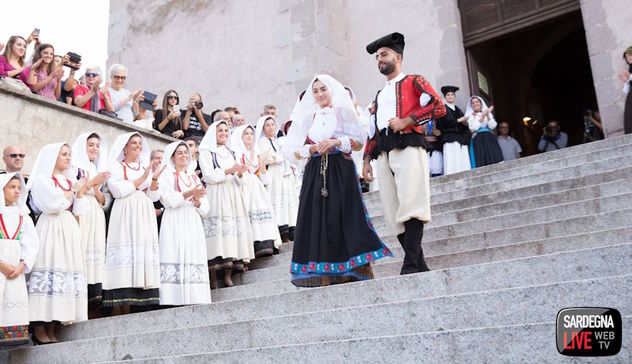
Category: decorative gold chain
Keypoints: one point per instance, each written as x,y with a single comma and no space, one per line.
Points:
324,163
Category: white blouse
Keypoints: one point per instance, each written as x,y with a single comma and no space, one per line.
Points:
475,123
49,196
215,174
325,126
121,181
29,240
173,185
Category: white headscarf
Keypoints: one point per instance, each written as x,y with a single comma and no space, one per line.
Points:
340,101
237,142
21,202
117,154
80,155
169,150
469,110
209,142
45,164
259,129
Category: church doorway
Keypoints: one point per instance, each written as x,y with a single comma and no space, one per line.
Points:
532,71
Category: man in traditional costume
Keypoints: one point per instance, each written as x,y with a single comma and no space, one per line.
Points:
396,140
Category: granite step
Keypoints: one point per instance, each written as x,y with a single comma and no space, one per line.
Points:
565,229
520,304
619,186
541,157
510,250
536,167
514,306
545,269
511,220
470,178
528,343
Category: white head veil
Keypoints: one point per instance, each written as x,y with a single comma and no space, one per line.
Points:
341,103
259,129
21,202
469,110
117,154
209,142
169,150
80,156
45,164
237,142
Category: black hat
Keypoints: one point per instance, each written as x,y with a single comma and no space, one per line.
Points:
394,41
446,89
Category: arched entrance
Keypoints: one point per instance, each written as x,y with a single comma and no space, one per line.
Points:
539,69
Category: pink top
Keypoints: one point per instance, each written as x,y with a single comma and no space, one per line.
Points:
5,67
48,91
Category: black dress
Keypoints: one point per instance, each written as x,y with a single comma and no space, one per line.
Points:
335,241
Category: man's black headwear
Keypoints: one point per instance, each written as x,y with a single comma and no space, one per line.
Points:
394,41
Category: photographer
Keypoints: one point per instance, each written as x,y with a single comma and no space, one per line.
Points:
593,130
72,61
194,121
91,96
552,138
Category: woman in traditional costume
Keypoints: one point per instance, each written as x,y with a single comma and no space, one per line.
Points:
89,156
279,178
227,227
132,258
335,241
265,232
183,263
18,248
58,292
454,130
484,148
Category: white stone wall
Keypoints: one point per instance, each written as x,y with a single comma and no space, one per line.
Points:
608,25
252,52
32,121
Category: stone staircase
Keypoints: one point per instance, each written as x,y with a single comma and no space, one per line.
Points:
509,245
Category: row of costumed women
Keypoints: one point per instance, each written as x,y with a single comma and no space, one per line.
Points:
221,222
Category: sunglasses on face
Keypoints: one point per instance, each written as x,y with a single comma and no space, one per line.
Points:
91,74
119,77
15,155
172,97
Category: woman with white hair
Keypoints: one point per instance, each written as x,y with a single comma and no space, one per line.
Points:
125,103
91,96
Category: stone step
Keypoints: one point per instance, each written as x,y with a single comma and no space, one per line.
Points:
589,168
536,158
472,178
533,168
532,191
266,287
507,251
619,186
560,231
545,269
510,220
256,332
529,343
515,306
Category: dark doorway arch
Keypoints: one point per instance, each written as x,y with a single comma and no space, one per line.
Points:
542,71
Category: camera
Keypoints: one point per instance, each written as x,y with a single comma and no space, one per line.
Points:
199,105
74,58
548,129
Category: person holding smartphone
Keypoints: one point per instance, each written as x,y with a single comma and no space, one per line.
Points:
168,120
91,96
